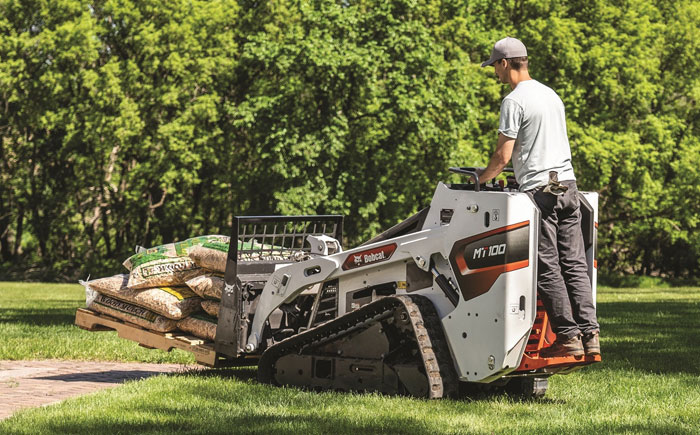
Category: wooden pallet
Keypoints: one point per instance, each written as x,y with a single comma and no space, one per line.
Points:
203,350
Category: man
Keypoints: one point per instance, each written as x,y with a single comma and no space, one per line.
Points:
532,131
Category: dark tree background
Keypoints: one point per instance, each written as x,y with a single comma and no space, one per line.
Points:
129,123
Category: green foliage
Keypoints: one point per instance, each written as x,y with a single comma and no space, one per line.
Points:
353,110
129,123
635,124
112,125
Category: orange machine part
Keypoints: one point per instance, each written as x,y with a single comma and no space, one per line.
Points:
542,336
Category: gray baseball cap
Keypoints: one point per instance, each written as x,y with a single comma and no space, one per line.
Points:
506,48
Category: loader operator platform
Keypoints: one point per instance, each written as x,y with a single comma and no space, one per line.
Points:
532,132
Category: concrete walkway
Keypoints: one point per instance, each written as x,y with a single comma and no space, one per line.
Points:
25,384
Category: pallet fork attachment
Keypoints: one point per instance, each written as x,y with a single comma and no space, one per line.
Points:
284,236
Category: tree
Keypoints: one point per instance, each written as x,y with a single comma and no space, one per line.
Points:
126,123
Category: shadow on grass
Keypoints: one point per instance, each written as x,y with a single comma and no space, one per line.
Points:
215,412
108,376
240,373
292,424
475,392
253,423
39,316
659,337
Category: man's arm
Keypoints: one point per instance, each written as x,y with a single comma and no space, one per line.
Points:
499,159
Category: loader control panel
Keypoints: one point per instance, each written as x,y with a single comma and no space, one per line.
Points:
507,185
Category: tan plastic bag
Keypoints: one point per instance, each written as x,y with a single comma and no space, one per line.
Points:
213,254
199,325
209,257
211,307
128,312
171,302
207,286
167,265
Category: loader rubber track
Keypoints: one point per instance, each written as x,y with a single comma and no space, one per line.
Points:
428,339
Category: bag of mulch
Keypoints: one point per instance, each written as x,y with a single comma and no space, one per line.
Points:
207,286
255,251
128,312
199,325
172,302
211,307
211,256
167,265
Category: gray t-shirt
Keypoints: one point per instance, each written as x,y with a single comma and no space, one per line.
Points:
533,115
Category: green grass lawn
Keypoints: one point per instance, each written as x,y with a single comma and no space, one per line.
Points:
649,382
36,322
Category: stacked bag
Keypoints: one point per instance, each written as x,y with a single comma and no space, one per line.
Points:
173,286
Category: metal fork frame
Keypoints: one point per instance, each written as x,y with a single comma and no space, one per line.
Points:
231,331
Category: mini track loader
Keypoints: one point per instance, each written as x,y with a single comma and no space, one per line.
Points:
445,299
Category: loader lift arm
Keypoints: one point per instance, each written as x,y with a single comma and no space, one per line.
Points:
287,282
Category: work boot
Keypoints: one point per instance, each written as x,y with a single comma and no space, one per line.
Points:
591,343
563,347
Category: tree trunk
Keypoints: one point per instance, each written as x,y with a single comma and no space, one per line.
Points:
19,232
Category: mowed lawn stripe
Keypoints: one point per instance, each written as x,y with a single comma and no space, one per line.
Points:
37,322
604,401
649,382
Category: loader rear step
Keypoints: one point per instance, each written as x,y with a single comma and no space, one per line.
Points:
542,336
394,345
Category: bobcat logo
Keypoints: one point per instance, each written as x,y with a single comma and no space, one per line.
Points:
358,260
369,256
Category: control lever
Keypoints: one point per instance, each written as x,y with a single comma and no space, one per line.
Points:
473,172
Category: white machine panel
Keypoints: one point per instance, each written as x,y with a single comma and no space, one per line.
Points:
491,245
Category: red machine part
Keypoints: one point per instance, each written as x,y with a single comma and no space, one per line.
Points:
541,337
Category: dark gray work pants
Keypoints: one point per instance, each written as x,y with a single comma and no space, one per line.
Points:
563,282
